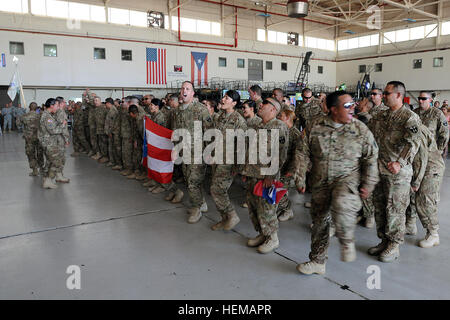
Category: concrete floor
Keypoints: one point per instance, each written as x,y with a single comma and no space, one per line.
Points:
130,244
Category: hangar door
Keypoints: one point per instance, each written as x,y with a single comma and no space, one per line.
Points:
255,70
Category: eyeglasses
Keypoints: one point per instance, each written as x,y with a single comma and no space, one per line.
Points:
349,105
374,93
422,98
307,98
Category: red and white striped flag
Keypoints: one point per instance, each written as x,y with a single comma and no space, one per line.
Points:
156,66
157,153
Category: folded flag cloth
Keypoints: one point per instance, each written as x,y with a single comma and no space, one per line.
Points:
273,194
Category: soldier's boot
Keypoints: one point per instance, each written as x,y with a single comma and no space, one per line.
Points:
103,160
256,241
391,252
48,184
219,225
117,167
370,222
270,244
110,164
194,215
61,178
141,177
125,172
307,204
244,205
411,227
150,183
231,221
204,207
34,173
75,154
178,196
170,196
131,176
431,240
348,252
311,267
158,190
152,188
286,215
374,251
91,153
97,156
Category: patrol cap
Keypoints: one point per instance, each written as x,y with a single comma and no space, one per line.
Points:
273,102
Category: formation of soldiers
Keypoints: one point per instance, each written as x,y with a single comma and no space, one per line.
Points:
383,165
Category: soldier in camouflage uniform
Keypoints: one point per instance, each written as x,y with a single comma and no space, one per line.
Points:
102,138
428,169
80,143
365,115
284,210
307,109
85,109
111,116
223,173
30,122
17,113
344,154
263,214
52,140
127,139
186,115
117,139
88,99
255,93
397,134
61,116
249,108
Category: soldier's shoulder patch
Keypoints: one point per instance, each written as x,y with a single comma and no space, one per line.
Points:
414,129
209,119
282,140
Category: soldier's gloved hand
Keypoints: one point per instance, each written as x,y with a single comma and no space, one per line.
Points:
267,182
363,193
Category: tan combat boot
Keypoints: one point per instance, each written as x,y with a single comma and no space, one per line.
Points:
219,225
158,190
204,207
369,223
307,204
194,215
285,216
90,154
374,251
97,156
431,240
61,178
311,267
255,242
125,172
34,173
131,176
48,184
103,160
391,252
244,205
411,226
348,252
270,244
178,196
231,221
150,189
141,177
110,164
117,167
150,183
170,196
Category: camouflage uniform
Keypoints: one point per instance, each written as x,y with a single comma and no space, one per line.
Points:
19,112
253,122
87,134
137,132
30,122
294,138
305,112
398,137
100,118
263,214
194,174
92,124
52,140
222,174
117,139
435,121
368,206
109,125
258,103
127,140
428,167
78,135
344,158
61,117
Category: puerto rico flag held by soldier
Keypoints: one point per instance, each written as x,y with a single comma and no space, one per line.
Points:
199,68
273,194
157,151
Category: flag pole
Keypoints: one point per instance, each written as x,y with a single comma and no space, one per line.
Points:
22,95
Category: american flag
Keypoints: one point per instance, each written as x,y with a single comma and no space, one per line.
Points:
156,66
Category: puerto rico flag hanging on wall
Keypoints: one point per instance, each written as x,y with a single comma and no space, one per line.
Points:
156,66
157,151
199,68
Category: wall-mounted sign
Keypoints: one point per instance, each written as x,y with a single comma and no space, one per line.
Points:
177,68
3,60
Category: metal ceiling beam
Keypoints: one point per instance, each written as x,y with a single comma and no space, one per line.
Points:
411,8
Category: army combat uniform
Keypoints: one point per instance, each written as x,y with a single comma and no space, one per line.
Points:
223,174
398,138
92,125
111,116
344,158
305,112
100,118
52,140
30,122
61,117
80,142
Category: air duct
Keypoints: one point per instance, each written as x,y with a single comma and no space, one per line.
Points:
297,8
